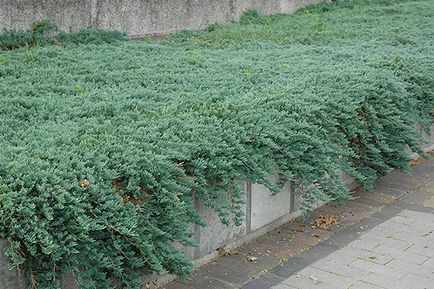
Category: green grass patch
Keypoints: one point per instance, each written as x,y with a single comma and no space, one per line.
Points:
106,148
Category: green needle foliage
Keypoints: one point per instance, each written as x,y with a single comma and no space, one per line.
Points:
104,149
46,32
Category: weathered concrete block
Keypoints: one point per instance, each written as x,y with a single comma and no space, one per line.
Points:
215,234
348,181
290,6
68,281
9,279
265,207
189,251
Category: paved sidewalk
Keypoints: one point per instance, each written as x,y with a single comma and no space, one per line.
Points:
383,239
398,253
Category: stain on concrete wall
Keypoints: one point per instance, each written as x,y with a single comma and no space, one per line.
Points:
137,17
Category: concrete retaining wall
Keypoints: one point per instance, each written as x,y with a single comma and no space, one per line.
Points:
137,17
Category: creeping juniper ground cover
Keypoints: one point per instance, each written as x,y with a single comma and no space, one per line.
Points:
104,146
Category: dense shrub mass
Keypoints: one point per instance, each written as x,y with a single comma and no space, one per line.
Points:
103,148
47,32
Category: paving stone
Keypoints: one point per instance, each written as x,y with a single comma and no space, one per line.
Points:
354,212
412,237
342,238
209,283
423,168
402,180
429,263
417,198
364,244
283,286
235,269
416,269
347,255
418,215
381,281
317,276
364,200
414,207
419,228
375,196
336,263
411,281
263,281
425,249
341,270
387,231
379,269
364,285
301,281
335,260
387,212
389,191
399,254
381,240
177,285
405,220
275,243
428,203
293,265
392,227
352,252
364,225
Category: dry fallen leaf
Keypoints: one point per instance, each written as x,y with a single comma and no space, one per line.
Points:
84,183
315,280
250,259
222,251
416,161
325,221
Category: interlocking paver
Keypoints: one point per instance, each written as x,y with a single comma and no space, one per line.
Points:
337,264
318,277
382,262
412,281
390,242
405,220
399,254
381,281
364,285
378,268
418,215
425,249
364,244
420,270
429,263
342,270
283,286
301,281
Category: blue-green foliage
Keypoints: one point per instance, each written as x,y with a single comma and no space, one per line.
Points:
103,149
46,32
